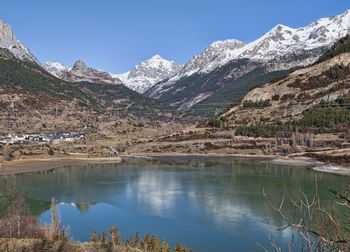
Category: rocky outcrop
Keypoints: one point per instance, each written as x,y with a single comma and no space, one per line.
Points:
8,41
80,72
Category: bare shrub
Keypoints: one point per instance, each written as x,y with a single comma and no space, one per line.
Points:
320,227
56,231
6,151
16,220
302,139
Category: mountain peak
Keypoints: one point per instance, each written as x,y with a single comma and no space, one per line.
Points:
144,75
8,40
80,72
156,57
57,69
280,28
228,42
57,65
216,54
80,64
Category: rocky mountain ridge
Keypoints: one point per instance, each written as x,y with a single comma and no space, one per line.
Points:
31,99
142,77
279,49
80,72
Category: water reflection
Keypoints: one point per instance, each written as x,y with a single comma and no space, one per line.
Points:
216,197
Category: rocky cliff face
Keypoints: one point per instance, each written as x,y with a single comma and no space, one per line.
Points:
279,49
80,72
8,41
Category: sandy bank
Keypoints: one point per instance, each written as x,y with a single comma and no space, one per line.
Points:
339,170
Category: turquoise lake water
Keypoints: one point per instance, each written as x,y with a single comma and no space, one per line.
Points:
209,204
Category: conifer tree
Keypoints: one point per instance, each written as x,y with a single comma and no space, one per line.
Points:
93,237
146,241
104,238
137,240
178,248
165,246
129,242
99,236
115,235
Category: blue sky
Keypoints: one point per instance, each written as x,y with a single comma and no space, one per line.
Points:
115,35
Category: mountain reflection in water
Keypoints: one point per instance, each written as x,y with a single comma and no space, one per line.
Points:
182,200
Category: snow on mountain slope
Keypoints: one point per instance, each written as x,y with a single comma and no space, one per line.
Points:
282,40
57,69
8,40
213,56
281,48
147,73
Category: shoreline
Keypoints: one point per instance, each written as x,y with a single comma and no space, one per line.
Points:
24,166
307,163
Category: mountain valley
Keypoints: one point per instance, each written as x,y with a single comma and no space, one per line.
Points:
242,88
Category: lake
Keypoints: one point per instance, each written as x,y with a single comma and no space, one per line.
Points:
203,203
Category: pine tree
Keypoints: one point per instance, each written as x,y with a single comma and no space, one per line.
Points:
104,238
146,241
93,237
152,243
165,245
157,246
129,242
137,240
115,235
178,248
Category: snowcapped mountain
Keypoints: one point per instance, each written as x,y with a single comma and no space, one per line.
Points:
144,75
279,49
80,72
8,40
213,56
278,42
57,69
283,40
140,78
